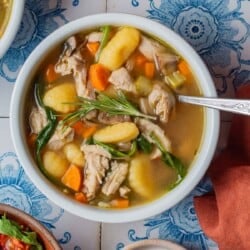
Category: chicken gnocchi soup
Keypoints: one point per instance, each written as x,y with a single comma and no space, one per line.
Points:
5,10
105,126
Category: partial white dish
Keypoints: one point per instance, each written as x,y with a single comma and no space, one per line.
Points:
154,244
12,26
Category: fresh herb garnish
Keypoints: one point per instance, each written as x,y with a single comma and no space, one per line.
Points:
171,160
113,106
144,144
45,134
14,230
104,41
117,154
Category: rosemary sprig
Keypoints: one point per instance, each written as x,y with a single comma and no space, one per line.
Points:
113,106
171,160
117,154
104,41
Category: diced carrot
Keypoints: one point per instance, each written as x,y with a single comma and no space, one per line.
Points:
184,68
93,47
140,60
73,177
31,139
89,130
149,69
17,244
120,203
81,197
78,127
50,74
98,76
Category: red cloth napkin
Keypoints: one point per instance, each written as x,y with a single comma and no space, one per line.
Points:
225,214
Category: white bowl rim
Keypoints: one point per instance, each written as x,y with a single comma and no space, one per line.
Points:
12,26
133,213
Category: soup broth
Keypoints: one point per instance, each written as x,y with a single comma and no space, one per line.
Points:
105,126
5,10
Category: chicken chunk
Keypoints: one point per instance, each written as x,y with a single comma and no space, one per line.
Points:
156,52
115,178
72,62
124,191
162,102
61,137
95,37
148,128
37,120
145,107
96,166
122,80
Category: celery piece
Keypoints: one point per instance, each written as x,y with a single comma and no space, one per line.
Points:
143,85
175,80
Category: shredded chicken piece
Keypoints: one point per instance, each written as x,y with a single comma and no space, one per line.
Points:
61,137
162,102
37,120
122,80
96,165
156,52
147,128
115,178
130,64
94,37
108,119
72,62
145,107
124,191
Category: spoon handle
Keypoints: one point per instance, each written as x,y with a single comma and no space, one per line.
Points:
240,106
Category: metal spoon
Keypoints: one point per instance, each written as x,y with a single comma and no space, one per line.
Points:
240,106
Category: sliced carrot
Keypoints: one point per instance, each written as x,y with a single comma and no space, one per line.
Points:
120,203
149,69
89,130
78,127
73,177
31,139
98,76
184,68
17,244
50,74
140,60
93,47
81,197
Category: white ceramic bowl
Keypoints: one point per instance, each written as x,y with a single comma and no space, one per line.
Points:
198,167
12,26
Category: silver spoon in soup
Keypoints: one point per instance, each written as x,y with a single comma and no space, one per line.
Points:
240,106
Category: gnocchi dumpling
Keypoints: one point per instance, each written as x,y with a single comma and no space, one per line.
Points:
61,98
119,48
140,176
55,164
74,154
120,132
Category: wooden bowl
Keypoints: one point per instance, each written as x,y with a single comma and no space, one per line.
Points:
44,236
